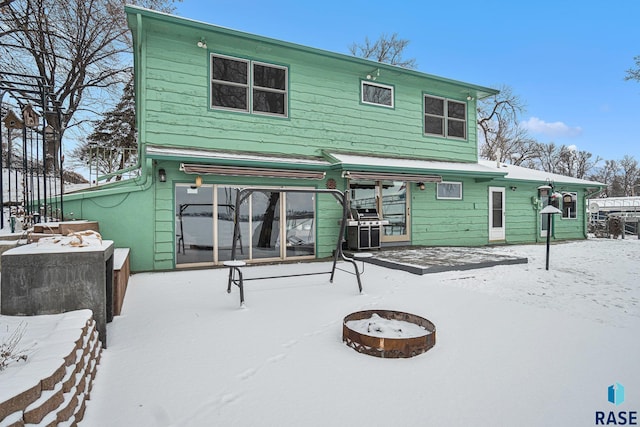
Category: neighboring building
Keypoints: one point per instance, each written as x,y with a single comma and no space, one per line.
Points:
219,109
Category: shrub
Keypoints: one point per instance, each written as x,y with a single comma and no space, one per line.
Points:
9,350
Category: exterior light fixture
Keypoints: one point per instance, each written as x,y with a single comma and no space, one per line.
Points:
202,43
421,186
198,181
470,98
513,188
162,175
374,74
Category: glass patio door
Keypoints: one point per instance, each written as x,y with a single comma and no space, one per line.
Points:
394,208
194,224
391,201
273,225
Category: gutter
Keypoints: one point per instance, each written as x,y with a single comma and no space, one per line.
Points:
141,183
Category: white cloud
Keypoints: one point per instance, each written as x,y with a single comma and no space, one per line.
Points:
555,129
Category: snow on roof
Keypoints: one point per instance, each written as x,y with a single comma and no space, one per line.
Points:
198,154
618,202
349,160
525,174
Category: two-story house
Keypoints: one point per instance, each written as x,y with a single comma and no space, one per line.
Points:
219,110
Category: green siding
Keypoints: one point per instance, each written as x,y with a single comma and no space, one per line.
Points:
325,112
126,218
450,222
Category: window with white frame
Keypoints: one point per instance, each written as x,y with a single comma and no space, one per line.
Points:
449,190
569,204
250,86
377,94
445,117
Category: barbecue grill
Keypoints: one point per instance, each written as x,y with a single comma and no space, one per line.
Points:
364,228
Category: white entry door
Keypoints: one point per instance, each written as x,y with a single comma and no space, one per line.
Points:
496,213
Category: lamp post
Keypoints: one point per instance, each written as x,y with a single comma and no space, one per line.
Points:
549,210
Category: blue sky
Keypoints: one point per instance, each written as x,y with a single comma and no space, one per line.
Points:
566,60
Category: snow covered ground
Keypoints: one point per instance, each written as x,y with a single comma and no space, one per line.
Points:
516,345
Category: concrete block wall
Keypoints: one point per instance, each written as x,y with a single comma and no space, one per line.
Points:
53,391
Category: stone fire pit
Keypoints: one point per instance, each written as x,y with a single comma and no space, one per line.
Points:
388,334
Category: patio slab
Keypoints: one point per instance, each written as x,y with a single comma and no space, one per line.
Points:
424,260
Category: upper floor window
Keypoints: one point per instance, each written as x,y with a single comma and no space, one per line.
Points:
569,205
445,117
377,94
244,85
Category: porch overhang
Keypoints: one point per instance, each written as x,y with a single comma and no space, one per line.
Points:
204,169
382,176
410,170
234,163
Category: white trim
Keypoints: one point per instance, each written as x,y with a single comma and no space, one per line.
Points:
497,233
519,173
448,198
574,197
380,85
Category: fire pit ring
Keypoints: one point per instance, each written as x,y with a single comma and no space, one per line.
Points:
376,343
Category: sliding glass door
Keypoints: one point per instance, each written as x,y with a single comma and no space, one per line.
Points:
273,225
391,201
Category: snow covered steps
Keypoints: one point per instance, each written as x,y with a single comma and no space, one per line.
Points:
52,386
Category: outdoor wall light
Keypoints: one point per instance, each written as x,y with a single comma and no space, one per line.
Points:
202,43
513,188
374,74
162,175
198,181
420,186
469,97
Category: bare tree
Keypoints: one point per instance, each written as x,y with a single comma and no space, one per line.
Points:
634,73
80,48
503,139
387,49
607,174
629,174
547,157
584,163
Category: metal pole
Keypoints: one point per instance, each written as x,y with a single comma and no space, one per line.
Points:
9,167
58,106
1,171
24,169
549,221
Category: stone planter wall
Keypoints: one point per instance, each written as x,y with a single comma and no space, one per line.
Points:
51,389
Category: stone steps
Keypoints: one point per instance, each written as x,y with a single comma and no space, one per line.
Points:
53,391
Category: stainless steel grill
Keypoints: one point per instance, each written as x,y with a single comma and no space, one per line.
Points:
364,228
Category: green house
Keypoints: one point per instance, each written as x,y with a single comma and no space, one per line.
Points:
220,110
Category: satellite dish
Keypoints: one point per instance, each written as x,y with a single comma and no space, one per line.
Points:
594,207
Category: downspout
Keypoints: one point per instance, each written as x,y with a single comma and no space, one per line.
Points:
138,88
